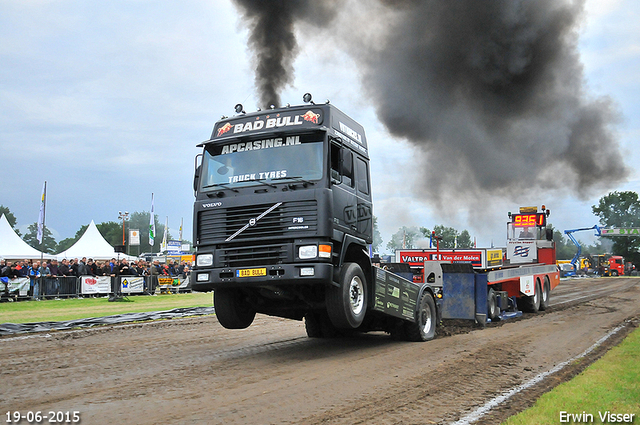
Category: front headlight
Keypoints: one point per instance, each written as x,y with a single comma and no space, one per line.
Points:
204,260
308,252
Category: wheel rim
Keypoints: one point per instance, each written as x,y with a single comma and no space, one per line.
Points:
356,295
425,320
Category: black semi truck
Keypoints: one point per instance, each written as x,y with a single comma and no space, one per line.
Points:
283,222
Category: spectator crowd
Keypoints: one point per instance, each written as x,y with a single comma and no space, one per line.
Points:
35,269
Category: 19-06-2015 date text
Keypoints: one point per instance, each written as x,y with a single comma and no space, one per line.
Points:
38,417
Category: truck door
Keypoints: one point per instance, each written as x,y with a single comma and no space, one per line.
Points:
363,192
345,205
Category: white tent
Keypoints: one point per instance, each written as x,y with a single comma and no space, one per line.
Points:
92,245
14,248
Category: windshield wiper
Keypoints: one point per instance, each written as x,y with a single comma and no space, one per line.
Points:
264,182
222,185
295,178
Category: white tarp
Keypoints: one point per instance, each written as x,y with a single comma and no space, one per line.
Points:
92,245
14,248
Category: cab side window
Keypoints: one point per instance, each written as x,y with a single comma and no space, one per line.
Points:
342,165
362,176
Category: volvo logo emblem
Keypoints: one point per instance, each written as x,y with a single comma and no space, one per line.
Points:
252,222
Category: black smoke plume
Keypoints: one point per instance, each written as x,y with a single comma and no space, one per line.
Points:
491,93
494,93
272,39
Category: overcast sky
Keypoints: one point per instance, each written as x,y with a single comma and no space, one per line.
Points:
106,101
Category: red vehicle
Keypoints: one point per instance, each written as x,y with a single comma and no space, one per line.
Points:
614,266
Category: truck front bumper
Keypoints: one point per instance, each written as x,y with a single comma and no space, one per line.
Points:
205,279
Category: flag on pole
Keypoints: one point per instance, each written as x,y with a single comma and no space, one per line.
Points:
40,234
152,225
181,221
163,246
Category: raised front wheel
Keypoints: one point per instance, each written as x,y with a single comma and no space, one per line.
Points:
424,328
232,309
347,304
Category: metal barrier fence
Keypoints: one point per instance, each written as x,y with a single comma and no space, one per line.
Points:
67,287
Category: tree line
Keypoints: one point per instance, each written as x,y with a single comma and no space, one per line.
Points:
111,231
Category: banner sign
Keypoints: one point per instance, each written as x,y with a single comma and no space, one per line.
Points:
95,285
620,232
131,284
479,258
522,251
21,284
134,237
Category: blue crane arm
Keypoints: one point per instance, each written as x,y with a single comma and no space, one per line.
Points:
569,234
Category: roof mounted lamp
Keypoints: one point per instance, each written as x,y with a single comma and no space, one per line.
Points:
307,98
239,109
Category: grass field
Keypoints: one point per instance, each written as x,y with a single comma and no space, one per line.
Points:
82,308
612,384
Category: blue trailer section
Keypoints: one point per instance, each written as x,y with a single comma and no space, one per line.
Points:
464,295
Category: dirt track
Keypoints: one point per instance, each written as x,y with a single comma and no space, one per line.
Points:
195,372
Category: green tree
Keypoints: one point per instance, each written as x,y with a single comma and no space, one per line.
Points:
67,243
377,238
405,237
140,221
449,235
621,209
48,245
10,217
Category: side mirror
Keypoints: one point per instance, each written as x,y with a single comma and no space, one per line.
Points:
198,170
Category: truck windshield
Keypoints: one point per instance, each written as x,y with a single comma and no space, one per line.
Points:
256,162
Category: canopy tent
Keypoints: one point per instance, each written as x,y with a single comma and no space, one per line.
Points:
92,245
12,247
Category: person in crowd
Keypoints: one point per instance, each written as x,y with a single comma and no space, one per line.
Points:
23,268
124,269
52,284
11,271
34,276
112,264
93,267
64,270
73,265
83,270
4,266
105,270
54,268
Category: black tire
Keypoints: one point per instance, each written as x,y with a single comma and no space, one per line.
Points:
493,311
318,325
546,292
424,328
232,309
347,304
531,304
614,273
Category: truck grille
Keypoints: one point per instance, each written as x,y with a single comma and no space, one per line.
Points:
252,256
216,225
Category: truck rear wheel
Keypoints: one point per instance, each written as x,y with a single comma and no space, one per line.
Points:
347,304
232,309
492,305
544,300
531,304
424,328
